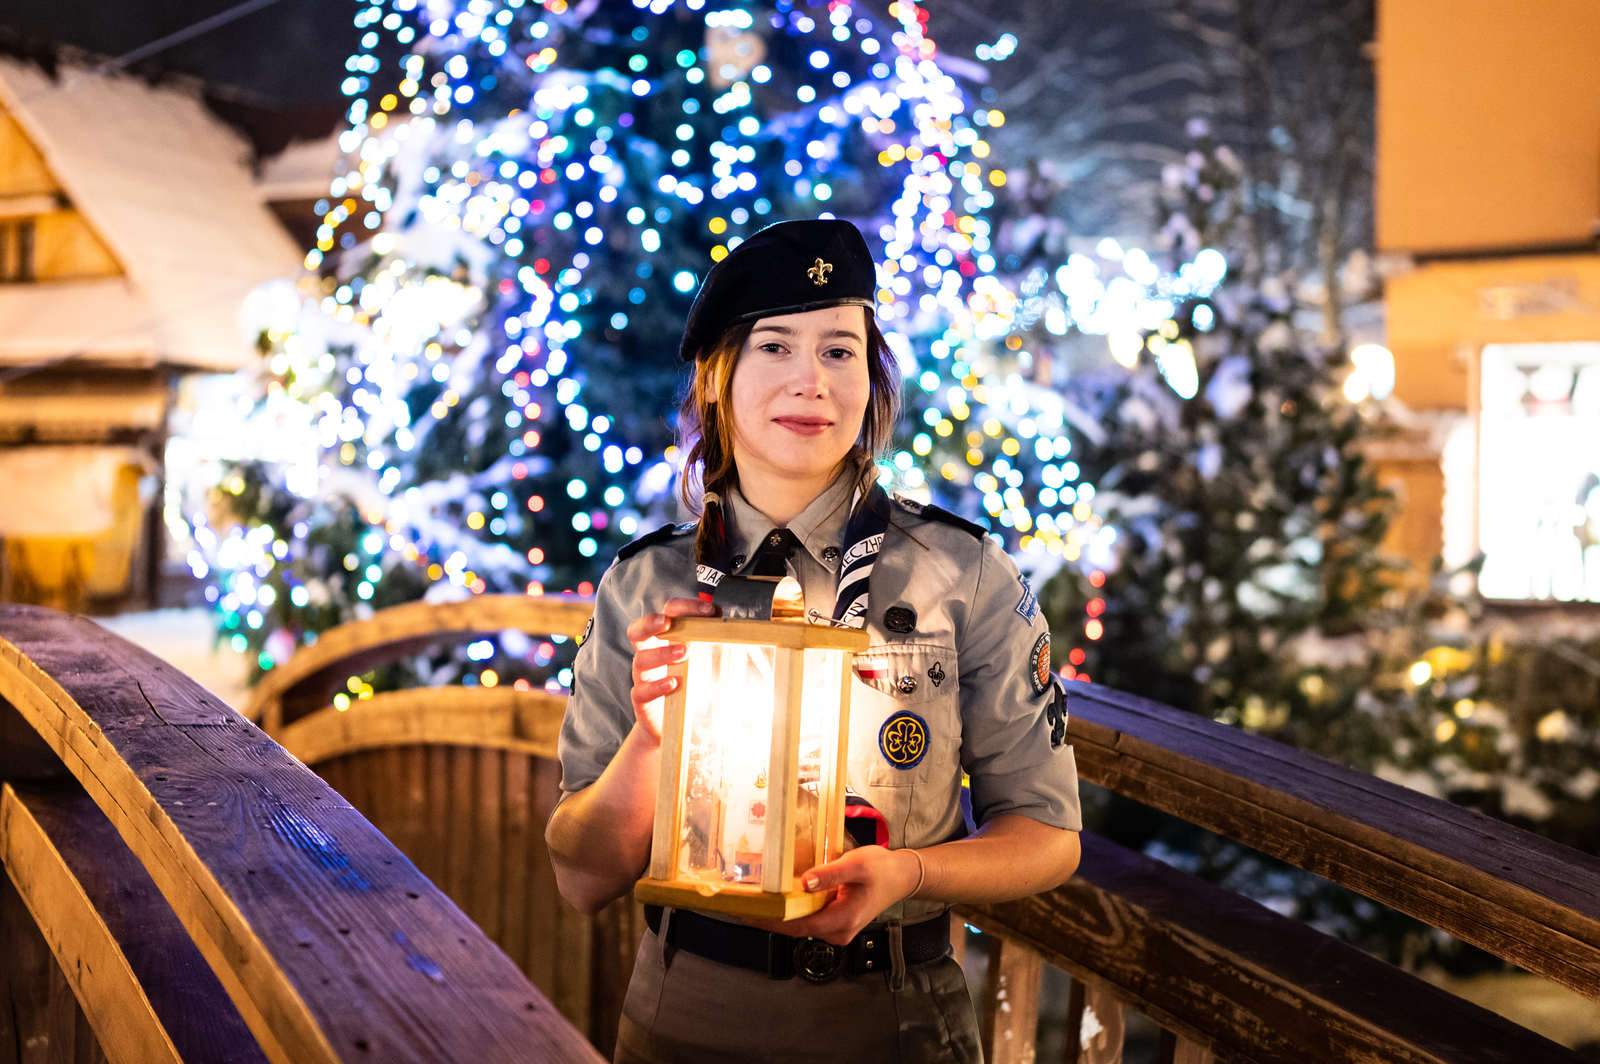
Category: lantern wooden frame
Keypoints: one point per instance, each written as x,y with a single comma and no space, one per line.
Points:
779,896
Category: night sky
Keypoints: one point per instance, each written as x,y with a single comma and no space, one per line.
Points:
289,53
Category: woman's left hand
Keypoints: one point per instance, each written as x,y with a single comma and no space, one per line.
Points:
867,879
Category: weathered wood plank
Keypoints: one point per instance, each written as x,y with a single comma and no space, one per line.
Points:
1100,1023
255,855
1175,1049
1228,973
26,986
544,788
310,676
515,856
1526,899
499,718
138,977
489,842
1011,1002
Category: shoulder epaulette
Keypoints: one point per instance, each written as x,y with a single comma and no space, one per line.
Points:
650,539
940,514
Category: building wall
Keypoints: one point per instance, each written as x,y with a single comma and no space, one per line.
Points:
1488,210
1488,123
61,244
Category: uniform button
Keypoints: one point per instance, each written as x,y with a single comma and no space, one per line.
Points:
907,684
830,554
775,540
738,560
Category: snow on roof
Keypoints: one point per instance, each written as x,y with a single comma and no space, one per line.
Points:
169,188
300,171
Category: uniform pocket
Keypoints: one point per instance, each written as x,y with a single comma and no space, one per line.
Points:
904,714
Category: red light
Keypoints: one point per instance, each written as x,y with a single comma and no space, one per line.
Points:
1076,656
1097,578
535,555
1096,607
586,588
519,471
535,504
541,265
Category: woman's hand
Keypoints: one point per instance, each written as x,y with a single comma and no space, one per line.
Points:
652,656
867,880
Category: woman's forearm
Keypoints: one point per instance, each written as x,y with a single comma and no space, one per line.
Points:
599,838
1011,856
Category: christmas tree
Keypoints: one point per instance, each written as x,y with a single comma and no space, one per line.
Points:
533,192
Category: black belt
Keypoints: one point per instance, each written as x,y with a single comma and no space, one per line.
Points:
783,957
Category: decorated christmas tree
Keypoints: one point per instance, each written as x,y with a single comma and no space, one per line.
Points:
484,386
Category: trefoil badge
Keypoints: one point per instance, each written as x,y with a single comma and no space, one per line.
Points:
819,272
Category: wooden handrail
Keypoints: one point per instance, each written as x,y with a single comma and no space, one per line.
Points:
1521,897
326,938
309,677
1234,976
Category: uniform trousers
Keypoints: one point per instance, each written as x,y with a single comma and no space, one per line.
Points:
686,1009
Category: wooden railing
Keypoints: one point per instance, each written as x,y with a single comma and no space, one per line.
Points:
451,773
462,780
178,887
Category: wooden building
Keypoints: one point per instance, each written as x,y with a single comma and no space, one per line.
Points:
1488,212
131,232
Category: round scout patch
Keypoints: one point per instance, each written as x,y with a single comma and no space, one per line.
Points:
1039,674
903,739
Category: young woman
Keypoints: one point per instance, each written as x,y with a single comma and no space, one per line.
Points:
793,393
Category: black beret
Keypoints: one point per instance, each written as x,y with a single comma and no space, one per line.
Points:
786,268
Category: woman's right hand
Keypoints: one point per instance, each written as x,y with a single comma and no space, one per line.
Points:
652,656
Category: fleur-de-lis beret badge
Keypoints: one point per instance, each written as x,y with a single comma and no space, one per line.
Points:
819,272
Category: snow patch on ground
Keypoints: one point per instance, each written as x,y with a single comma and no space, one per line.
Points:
186,639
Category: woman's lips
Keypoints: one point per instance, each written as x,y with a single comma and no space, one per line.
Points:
805,426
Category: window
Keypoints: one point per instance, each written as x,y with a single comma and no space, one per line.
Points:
16,249
1539,472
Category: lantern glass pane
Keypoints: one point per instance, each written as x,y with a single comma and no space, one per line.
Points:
819,744
727,743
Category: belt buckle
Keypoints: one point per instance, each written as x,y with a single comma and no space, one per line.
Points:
817,961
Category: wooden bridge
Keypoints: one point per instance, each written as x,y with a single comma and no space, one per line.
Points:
372,885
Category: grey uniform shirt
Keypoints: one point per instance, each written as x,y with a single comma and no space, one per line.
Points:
956,680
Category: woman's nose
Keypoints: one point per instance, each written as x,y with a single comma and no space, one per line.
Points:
809,378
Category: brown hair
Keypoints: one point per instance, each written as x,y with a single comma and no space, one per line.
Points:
705,426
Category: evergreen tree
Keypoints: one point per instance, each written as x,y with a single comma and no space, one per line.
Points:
533,192
1238,509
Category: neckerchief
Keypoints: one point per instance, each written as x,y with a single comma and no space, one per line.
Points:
863,537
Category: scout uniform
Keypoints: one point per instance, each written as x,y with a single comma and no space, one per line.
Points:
957,680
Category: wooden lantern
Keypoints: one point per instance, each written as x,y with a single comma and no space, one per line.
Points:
752,766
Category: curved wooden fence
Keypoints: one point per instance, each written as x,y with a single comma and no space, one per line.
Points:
179,888
463,781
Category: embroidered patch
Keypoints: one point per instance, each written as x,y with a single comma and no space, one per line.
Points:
903,739
900,619
1056,711
1039,664
936,674
587,628
1029,603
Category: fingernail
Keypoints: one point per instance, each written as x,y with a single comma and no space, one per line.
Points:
672,683
812,882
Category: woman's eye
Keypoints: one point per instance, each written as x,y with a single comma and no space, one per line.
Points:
841,353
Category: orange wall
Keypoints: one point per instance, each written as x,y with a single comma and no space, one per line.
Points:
1488,123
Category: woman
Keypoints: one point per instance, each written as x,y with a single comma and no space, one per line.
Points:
793,393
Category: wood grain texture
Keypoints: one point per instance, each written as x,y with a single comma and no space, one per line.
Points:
1175,1049
328,941
139,980
500,718
1231,975
308,679
1011,1002
1525,899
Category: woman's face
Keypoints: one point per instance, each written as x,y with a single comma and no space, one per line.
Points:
800,391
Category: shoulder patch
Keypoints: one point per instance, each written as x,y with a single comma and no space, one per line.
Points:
938,513
650,539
